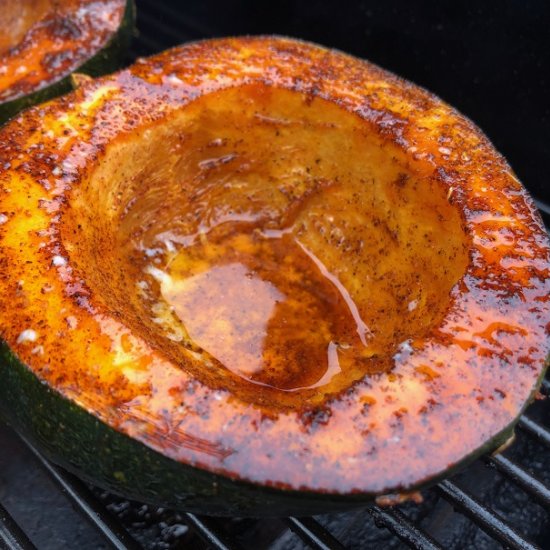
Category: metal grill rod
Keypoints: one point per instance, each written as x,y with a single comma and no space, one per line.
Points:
211,533
169,34
402,527
12,536
490,522
95,511
314,534
535,429
113,531
524,479
543,207
86,503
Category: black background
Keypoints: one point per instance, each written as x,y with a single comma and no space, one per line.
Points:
491,61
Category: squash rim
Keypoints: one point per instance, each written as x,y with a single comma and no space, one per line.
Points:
103,57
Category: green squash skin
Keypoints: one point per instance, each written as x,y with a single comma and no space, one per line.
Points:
113,461
110,58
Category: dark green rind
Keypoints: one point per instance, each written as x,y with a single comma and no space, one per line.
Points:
108,59
113,461
73,438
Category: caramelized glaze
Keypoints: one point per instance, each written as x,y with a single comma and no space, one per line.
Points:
42,41
409,212
17,17
267,232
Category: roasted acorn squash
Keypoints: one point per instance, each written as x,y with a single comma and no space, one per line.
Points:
257,276
43,41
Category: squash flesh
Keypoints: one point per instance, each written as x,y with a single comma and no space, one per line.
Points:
17,17
281,218
47,41
476,366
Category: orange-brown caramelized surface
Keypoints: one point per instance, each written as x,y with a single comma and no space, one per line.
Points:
275,237
42,41
17,17
274,262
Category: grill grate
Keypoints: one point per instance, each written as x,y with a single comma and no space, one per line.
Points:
310,530
485,518
399,524
162,26
522,478
11,535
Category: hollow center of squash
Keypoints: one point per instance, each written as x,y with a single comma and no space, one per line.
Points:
17,17
259,303
269,243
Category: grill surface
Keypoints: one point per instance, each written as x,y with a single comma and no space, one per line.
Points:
498,501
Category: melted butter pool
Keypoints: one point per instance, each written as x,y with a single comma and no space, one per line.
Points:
261,305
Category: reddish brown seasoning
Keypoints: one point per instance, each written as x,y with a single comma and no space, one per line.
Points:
45,40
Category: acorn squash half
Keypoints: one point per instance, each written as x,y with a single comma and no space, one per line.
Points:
43,41
257,276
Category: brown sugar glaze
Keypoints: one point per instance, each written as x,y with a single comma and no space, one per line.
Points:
17,17
42,41
268,234
407,191
263,309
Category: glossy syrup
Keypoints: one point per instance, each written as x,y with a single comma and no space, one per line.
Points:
257,302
